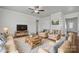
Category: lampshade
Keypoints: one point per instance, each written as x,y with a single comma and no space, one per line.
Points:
5,29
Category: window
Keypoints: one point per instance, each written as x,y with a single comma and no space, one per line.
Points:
70,25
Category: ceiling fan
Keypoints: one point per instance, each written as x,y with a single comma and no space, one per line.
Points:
36,9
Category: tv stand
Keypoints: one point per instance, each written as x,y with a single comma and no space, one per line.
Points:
21,33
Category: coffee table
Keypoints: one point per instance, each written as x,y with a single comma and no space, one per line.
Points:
33,41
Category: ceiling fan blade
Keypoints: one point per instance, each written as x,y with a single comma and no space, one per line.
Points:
41,10
32,12
30,8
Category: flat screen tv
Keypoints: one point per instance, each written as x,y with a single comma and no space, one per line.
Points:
21,27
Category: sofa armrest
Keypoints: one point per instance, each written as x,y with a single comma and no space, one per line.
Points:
10,45
57,45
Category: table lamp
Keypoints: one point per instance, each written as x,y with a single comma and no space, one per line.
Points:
6,33
5,30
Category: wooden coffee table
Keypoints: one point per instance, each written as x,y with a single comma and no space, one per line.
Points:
33,41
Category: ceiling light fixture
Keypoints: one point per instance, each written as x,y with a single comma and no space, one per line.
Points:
36,11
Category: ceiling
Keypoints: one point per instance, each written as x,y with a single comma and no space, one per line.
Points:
48,10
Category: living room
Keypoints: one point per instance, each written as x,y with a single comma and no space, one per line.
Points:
48,27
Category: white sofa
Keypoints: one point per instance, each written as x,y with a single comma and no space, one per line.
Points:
22,47
10,45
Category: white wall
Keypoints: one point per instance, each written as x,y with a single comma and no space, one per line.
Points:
46,22
40,25
58,16
10,19
71,15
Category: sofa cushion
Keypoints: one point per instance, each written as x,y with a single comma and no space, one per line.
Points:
54,36
22,47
